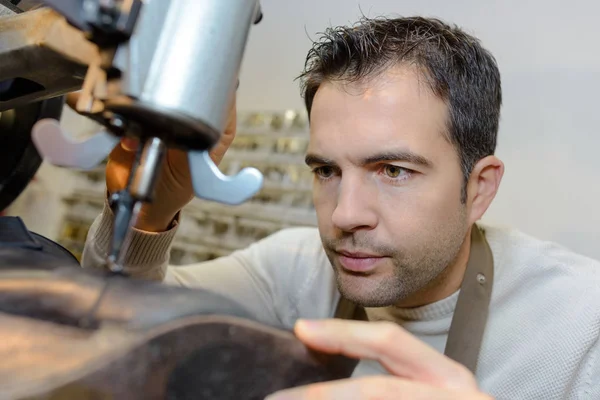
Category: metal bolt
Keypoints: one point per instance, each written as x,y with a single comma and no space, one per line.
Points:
481,278
113,199
117,122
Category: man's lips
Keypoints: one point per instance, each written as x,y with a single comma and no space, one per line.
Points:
358,261
357,254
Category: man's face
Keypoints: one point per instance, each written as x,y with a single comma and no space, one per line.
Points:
387,186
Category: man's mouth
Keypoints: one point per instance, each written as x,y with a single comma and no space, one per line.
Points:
356,261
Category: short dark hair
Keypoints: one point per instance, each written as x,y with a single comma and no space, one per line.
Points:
456,67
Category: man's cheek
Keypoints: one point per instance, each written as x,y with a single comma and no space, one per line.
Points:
324,208
436,201
320,194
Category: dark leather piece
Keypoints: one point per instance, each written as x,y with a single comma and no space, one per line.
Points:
83,299
79,334
42,295
50,247
14,234
179,343
143,305
40,281
23,250
200,358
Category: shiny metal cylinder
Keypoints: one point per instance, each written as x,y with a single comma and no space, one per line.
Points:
146,173
185,56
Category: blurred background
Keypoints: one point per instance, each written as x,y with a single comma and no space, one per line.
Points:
550,63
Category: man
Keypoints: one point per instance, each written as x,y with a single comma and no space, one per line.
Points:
404,119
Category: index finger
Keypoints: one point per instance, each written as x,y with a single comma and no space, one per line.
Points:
401,353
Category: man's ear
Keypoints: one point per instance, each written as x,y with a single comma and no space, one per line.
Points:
483,185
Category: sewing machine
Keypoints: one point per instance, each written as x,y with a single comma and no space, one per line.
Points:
165,73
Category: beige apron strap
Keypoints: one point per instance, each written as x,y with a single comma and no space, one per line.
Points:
470,316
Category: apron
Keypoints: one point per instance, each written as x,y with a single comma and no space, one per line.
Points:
471,312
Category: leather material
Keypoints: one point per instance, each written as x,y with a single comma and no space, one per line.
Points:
22,249
79,334
203,357
472,307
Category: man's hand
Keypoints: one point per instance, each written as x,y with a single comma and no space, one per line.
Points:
174,188
417,370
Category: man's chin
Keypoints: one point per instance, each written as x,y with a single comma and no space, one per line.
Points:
367,290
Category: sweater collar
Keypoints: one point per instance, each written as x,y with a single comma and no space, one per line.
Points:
434,311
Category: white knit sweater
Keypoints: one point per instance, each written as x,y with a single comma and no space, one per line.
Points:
541,341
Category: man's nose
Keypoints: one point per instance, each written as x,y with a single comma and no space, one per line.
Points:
354,209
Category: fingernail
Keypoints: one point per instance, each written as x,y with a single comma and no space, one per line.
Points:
129,144
308,324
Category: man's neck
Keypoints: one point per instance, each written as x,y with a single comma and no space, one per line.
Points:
445,284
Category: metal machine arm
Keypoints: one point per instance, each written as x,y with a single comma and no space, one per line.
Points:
162,71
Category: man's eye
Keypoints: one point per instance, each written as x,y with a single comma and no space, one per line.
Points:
323,172
393,171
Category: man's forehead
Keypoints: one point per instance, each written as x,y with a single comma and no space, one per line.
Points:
391,111
402,76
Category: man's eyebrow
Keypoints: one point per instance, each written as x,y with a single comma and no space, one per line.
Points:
313,159
390,156
402,155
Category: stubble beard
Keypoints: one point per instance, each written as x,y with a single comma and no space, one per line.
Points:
406,271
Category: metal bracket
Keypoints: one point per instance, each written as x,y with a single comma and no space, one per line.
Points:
210,184
108,21
60,149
